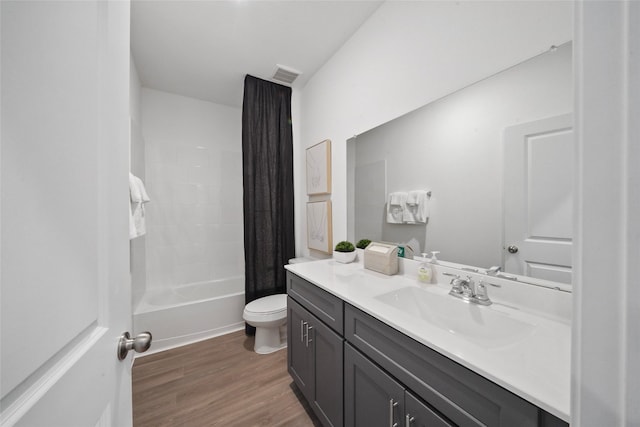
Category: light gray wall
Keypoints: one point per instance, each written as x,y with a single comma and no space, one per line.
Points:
406,55
454,147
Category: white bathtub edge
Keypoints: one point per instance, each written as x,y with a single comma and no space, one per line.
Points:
160,345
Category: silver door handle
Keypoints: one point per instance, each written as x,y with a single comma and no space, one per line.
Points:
392,406
408,419
139,344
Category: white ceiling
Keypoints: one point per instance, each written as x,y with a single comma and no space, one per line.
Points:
203,49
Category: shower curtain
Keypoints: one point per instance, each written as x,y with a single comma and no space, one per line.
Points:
267,156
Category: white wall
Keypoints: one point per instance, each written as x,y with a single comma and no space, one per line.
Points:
194,179
405,56
605,378
454,148
137,254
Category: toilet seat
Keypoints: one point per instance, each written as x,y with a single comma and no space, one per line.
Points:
266,309
268,305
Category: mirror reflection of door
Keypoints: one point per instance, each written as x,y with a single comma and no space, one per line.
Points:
538,198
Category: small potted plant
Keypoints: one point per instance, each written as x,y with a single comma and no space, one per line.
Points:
344,252
363,243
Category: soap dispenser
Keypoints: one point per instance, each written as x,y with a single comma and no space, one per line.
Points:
424,271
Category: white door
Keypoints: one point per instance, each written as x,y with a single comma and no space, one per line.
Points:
538,201
64,257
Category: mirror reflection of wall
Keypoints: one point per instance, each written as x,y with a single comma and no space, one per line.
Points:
454,147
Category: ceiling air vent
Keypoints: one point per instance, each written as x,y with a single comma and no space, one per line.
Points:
285,74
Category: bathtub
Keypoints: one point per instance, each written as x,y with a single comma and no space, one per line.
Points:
188,313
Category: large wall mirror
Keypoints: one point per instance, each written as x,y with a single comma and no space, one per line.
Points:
497,157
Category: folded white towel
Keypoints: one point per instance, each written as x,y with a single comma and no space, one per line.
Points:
137,190
413,198
395,207
134,189
398,198
416,212
133,233
139,196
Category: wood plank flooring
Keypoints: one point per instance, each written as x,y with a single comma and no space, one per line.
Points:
217,382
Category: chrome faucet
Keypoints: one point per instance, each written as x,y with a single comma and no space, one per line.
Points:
470,291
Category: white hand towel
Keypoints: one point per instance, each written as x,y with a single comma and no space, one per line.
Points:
144,197
418,211
412,198
139,196
134,189
398,198
395,207
133,233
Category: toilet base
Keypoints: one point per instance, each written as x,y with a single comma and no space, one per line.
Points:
268,340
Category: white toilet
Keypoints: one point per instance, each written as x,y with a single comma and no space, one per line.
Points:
269,316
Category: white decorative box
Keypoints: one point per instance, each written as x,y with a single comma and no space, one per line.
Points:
381,257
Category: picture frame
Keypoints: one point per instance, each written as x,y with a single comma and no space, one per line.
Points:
319,168
319,226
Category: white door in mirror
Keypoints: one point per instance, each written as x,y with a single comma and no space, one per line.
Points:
538,198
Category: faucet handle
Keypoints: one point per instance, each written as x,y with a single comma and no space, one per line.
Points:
481,292
493,271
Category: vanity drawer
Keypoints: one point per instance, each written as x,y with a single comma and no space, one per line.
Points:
322,304
460,394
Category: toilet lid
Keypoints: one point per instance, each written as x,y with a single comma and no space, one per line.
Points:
268,305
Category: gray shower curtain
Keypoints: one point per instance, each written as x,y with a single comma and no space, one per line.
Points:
267,156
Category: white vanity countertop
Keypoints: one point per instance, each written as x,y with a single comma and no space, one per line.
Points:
535,367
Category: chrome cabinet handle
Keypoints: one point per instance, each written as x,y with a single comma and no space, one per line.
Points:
302,322
408,420
309,339
392,406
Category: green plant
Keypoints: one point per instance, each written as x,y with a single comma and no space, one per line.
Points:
363,243
345,246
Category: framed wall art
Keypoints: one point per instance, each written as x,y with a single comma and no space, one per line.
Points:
319,231
319,168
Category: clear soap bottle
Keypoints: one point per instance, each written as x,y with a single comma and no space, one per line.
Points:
425,272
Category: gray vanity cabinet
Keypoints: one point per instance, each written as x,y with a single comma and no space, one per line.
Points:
300,358
355,370
459,394
315,350
373,398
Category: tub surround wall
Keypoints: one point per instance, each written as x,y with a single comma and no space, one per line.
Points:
194,179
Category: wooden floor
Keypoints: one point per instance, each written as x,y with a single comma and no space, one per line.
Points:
218,382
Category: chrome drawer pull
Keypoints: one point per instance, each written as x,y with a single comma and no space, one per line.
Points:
392,406
308,339
408,420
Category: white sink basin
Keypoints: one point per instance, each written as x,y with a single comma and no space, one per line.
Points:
482,325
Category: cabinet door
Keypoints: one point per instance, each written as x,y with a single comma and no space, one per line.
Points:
327,350
299,357
417,414
372,398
